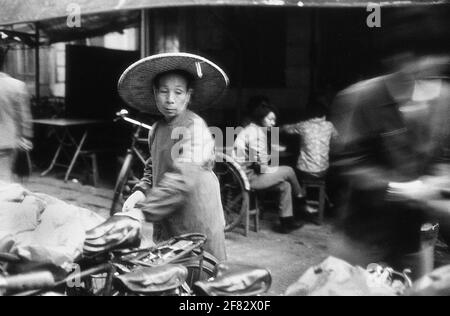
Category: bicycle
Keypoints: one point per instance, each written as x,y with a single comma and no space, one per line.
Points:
125,178
234,190
103,274
181,258
178,267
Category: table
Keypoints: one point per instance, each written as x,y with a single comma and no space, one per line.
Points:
62,128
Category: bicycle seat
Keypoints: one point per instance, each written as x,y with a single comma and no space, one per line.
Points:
236,280
446,193
154,280
117,233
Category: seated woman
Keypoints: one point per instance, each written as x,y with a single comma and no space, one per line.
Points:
251,152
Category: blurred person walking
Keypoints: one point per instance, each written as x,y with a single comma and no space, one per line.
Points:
392,133
15,120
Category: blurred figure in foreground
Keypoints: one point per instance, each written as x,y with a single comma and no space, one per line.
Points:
15,120
392,133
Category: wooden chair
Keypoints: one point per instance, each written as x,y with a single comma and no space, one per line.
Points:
318,184
253,211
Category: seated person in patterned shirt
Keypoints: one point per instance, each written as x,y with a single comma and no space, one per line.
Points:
316,134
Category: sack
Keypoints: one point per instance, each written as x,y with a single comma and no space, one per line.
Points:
436,283
41,229
335,277
22,164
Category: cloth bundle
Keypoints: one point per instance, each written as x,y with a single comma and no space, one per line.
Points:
335,277
42,229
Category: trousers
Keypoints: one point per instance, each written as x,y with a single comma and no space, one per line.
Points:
283,180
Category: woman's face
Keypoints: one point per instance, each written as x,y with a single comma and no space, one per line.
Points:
270,120
172,95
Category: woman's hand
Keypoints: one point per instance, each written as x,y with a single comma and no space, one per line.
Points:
279,148
135,198
25,144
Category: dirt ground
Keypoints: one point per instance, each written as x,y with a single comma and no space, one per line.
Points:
286,256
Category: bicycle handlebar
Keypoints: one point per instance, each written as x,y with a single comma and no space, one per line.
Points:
123,114
27,282
9,258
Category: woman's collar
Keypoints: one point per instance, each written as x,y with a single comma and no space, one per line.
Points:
318,119
176,120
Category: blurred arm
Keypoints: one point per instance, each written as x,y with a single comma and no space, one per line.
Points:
24,114
355,147
167,197
194,150
294,129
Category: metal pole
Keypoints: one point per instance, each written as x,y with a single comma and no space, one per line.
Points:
313,52
37,65
144,34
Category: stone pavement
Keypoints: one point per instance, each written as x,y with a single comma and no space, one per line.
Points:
286,256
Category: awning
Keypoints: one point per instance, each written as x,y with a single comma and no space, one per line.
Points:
25,11
99,17
56,30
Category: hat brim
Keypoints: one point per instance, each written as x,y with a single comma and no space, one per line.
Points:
136,83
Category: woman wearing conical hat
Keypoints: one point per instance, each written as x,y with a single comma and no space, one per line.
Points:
179,192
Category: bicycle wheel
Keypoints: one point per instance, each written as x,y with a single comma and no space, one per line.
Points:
233,190
208,269
121,182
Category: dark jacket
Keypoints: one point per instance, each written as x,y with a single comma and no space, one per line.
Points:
377,147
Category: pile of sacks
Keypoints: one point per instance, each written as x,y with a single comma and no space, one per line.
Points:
40,228
335,277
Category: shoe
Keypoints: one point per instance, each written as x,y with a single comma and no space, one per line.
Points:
300,208
311,210
311,218
289,224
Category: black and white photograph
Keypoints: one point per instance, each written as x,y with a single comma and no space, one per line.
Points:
226,155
